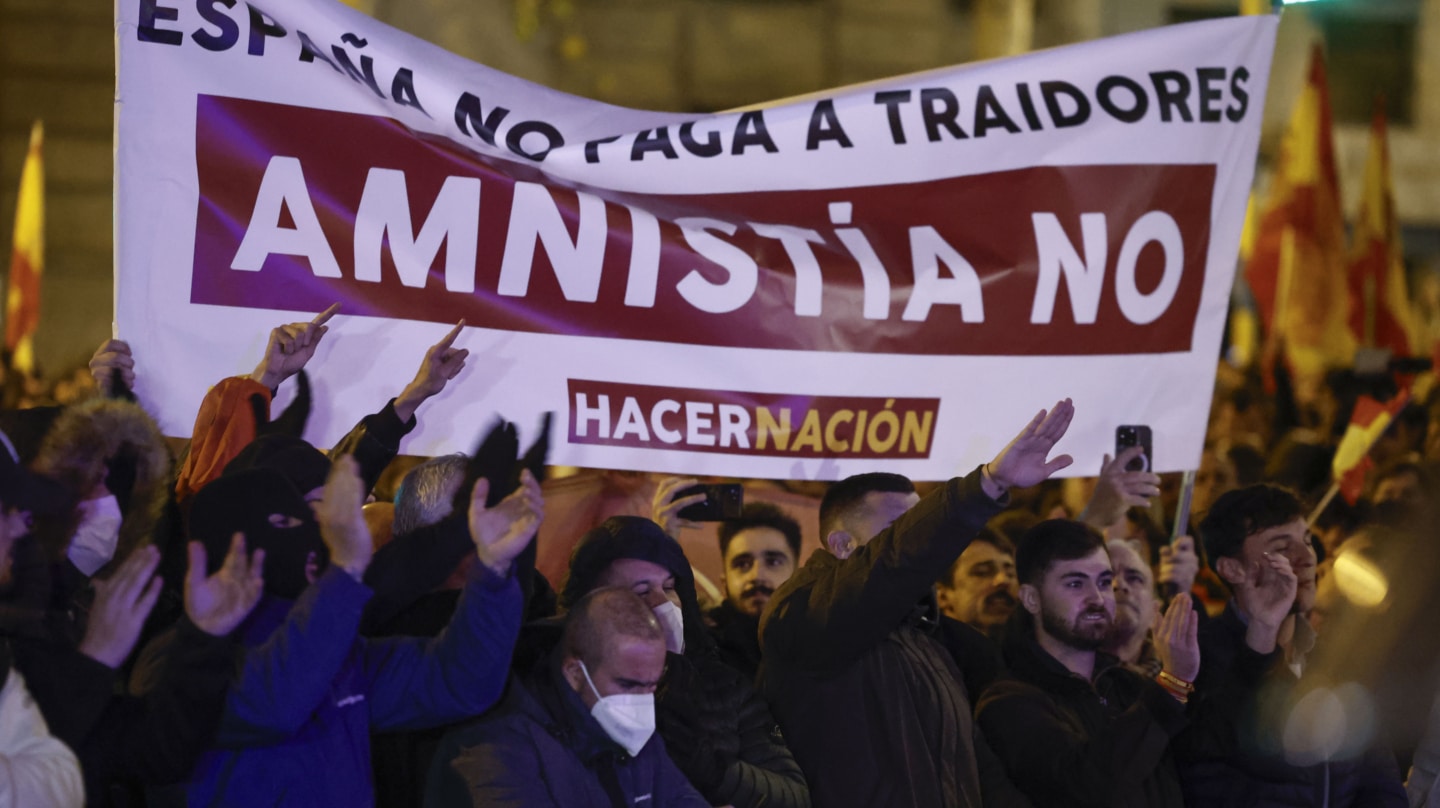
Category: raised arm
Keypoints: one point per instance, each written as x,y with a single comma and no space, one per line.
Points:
418,683
375,441
857,604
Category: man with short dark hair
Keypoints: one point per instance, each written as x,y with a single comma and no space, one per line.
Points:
860,667
1257,541
980,588
759,550
1072,726
581,731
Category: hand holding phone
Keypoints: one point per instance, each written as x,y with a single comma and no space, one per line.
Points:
1135,435
722,501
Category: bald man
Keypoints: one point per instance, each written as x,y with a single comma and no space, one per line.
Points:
1137,609
578,732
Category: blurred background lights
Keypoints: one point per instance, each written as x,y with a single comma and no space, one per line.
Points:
1329,724
1359,579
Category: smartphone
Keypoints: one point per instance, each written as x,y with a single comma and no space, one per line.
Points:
1134,435
722,501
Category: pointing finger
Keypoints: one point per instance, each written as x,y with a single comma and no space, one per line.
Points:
449,339
324,317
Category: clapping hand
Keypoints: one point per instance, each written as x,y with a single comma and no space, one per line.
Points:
218,603
342,518
1266,596
502,532
1177,640
122,602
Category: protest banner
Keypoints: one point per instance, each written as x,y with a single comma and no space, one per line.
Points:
888,276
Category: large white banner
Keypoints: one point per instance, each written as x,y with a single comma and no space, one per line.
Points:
889,276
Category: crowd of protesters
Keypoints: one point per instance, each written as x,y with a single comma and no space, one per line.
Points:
232,627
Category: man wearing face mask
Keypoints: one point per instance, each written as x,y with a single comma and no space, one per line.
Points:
577,731
715,726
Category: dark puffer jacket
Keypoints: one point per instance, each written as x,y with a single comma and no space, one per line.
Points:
543,748
1230,755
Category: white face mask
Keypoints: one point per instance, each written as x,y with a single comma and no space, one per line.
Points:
93,544
628,718
672,622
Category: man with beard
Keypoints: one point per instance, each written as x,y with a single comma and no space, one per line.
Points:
1257,541
1137,610
759,550
1073,727
980,587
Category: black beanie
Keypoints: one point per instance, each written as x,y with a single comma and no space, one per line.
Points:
297,461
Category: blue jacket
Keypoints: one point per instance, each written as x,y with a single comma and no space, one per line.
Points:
297,722
543,749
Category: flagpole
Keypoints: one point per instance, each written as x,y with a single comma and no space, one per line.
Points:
1324,502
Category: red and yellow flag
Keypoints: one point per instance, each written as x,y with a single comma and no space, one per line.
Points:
1380,314
1297,271
27,259
1368,422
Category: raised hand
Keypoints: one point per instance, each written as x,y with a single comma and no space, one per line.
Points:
342,518
112,355
1177,638
122,602
1179,564
502,532
1024,461
441,364
1118,490
665,508
1266,596
291,346
219,603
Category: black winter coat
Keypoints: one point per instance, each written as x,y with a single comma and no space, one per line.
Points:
1068,742
148,740
737,636
1230,754
871,699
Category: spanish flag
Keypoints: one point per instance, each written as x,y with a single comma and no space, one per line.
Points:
1297,271
27,260
1368,421
1380,314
